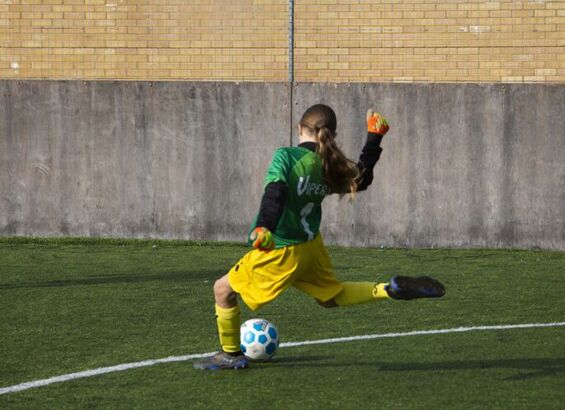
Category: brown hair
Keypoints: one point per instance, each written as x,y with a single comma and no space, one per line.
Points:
339,171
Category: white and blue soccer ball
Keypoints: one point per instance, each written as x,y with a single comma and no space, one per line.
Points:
259,339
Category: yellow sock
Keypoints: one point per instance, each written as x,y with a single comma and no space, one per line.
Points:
228,321
355,293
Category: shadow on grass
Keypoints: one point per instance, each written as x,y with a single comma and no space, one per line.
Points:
532,367
199,276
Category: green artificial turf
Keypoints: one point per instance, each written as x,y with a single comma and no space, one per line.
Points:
73,305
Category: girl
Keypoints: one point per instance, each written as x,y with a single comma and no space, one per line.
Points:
288,248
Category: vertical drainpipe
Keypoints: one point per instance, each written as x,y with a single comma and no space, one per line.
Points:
291,41
291,63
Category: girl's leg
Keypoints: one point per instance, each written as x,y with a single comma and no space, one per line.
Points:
227,315
400,287
356,293
228,321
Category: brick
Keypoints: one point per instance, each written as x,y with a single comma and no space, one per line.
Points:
442,41
512,79
546,72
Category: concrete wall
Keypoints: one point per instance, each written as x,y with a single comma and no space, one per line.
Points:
464,165
169,160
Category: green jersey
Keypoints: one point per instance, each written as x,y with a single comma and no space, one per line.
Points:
291,207
301,170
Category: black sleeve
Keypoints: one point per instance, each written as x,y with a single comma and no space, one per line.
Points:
370,154
272,205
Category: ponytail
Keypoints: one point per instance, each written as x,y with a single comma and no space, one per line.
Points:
341,174
339,171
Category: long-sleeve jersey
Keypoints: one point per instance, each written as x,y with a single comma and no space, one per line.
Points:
295,188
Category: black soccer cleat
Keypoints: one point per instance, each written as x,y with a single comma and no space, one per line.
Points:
223,361
407,288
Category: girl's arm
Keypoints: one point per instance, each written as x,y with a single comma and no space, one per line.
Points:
272,205
377,127
369,157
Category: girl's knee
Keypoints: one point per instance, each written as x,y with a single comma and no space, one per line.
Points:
221,287
223,293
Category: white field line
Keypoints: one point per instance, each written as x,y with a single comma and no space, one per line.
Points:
171,359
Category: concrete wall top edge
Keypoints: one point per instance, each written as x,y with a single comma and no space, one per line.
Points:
426,85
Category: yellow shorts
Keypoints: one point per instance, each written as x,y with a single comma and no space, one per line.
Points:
259,277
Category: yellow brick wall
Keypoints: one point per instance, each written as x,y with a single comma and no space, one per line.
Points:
144,39
335,40
431,40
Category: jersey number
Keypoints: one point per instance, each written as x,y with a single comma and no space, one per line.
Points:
304,213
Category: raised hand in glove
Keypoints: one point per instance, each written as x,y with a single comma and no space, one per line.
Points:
376,123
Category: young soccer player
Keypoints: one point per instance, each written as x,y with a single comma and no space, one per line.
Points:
288,248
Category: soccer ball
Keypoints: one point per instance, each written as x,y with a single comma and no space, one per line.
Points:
259,339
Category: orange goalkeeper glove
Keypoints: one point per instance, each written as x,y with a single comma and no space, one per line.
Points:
376,123
262,239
